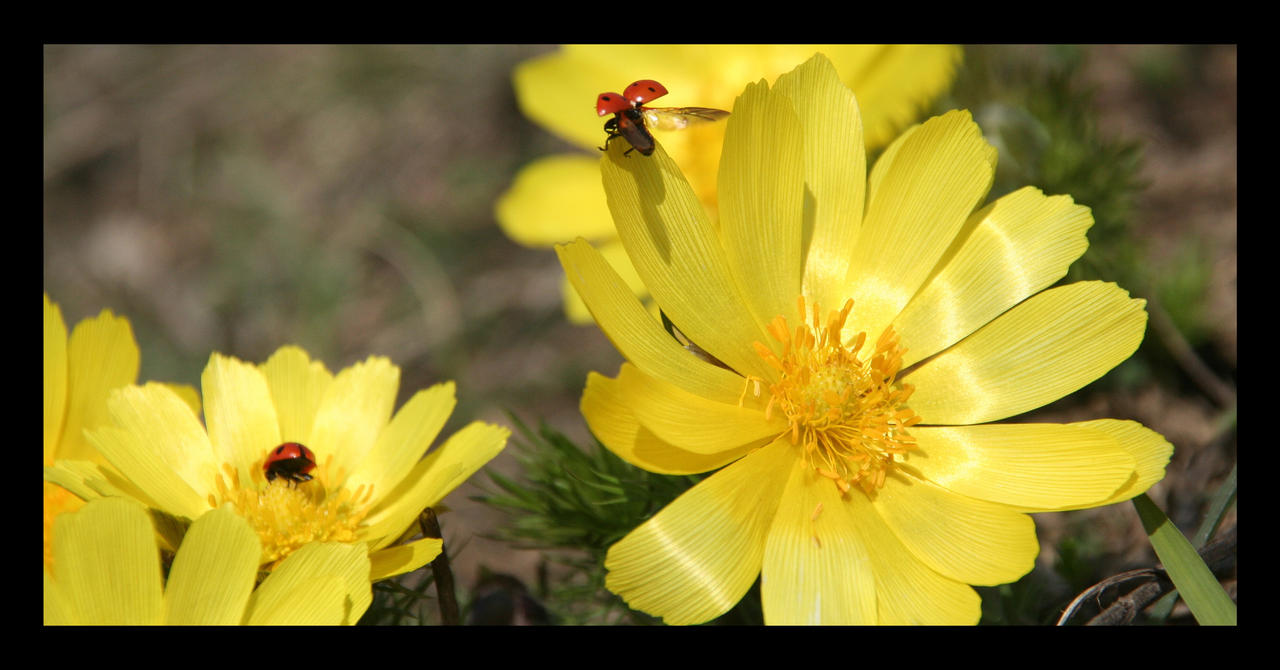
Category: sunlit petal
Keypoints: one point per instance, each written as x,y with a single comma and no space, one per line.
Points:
937,177
1018,245
693,560
613,423
1050,345
817,569
677,253
1025,465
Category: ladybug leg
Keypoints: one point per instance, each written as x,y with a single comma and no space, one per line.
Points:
611,127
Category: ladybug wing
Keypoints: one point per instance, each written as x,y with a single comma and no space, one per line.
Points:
611,103
677,118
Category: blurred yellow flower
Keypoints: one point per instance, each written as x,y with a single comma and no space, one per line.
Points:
850,332
79,372
559,198
108,572
371,480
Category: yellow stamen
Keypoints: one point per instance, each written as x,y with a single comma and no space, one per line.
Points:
847,413
287,515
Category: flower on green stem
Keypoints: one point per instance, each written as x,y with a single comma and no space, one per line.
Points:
108,572
855,336
558,198
371,479
79,373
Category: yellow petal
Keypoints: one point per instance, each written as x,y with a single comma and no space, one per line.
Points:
317,601
1149,449
213,572
58,608
241,416
835,175
612,422
1046,347
101,356
935,179
887,158
404,441
817,568
1018,245
696,558
680,257
896,81
556,199
574,309
968,540
354,410
558,90
693,423
188,394
404,558
158,445
635,333
55,378
761,201
72,480
107,566
297,384
88,480
613,252
319,584
1025,465
908,592
433,478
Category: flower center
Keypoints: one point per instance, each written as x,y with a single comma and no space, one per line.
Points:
847,413
287,515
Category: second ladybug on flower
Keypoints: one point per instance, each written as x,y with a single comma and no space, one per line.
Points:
291,461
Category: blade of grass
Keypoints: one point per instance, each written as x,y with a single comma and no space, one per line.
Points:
1209,603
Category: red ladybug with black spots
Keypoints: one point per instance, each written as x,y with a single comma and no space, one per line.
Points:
291,461
631,121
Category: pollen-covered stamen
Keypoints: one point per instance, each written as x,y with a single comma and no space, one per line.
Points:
847,413
287,515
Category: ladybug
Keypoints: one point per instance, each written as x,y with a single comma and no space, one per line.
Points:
631,121
291,461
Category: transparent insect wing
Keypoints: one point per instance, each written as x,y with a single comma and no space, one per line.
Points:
677,118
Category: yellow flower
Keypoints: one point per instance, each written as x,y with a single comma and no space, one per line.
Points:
371,479
559,198
79,372
108,573
850,334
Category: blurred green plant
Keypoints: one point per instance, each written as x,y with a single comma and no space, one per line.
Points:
1033,107
575,503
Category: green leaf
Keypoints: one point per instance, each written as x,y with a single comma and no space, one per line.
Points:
1209,603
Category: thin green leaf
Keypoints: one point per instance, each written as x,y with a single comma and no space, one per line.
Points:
1209,603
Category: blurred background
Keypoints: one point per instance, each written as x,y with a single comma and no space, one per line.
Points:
239,198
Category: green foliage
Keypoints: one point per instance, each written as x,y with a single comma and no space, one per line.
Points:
575,503
1033,109
1196,584
407,601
